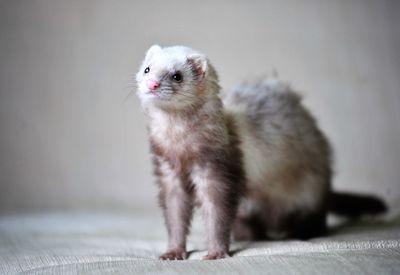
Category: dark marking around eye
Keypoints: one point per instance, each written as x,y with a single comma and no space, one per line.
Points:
177,77
146,70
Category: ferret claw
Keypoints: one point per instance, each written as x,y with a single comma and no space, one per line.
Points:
174,255
216,255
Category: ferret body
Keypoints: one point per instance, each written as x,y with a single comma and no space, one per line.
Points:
257,163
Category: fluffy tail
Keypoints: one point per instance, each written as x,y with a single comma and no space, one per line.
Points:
354,206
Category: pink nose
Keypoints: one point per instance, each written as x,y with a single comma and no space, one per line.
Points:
153,85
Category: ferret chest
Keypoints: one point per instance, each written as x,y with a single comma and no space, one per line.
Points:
174,136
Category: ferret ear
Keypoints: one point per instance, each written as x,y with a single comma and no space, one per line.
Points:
199,64
153,49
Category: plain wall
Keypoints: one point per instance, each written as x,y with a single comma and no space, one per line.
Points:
72,139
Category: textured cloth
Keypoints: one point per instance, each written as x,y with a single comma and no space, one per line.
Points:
130,244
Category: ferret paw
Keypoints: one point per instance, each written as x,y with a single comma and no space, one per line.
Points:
216,255
175,254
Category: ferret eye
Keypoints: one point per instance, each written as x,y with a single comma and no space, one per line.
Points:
146,70
177,77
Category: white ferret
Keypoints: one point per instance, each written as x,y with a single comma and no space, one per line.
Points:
256,163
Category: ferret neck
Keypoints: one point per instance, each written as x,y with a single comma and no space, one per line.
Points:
210,107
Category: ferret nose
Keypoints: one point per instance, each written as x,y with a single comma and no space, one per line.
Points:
153,85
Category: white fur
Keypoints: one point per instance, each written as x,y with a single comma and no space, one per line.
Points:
267,150
167,133
262,160
276,139
200,179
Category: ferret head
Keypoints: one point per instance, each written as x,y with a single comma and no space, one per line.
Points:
175,77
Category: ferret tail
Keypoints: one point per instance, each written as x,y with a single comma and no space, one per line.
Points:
355,205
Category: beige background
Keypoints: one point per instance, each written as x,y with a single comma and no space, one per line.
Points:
70,140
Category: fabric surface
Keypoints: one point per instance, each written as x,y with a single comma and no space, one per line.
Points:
130,244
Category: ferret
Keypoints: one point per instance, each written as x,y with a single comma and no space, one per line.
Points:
256,162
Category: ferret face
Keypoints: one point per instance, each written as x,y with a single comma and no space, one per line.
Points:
172,77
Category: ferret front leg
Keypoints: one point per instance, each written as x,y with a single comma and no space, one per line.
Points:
218,223
177,209
219,210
